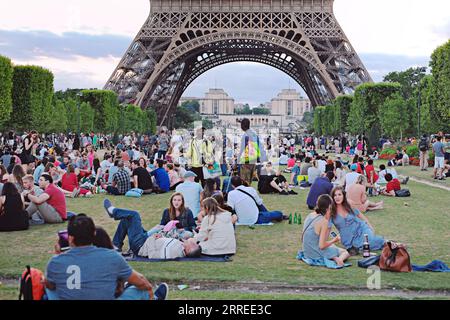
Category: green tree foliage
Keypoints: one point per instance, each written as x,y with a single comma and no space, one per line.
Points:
308,118
134,119
244,110
391,115
208,124
368,99
6,85
427,107
72,114
32,98
151,118
106,109
440,66
408,79
192,105
58,121
261,111
342,105
87,117
319,117
185,118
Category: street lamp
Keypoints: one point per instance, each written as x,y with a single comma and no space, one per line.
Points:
419,103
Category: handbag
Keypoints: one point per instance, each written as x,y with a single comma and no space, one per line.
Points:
368,262
404,193
395,257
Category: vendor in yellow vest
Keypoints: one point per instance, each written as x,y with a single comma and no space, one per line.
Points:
199,154
251,152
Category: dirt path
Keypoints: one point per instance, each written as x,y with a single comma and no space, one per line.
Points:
428,183
280,288
274,288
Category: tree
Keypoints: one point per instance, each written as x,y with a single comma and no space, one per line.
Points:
32,98
192,105
87,117
72,114
440,68
261,111
134,119
319,114
392,114
342,106
427,106
6,85
363,116
58,121
106,109
408,79
185,118
151,118
308,118
245,110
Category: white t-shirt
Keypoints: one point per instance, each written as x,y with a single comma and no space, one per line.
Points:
350,178
163,248
244,206
321,164
105,165
283,159
382,179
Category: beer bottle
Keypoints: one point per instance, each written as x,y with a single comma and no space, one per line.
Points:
366,246
290,218
295,218
299,220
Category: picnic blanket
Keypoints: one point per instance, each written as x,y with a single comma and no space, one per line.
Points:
330,264
203,258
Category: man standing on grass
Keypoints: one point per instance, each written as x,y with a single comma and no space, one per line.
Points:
438,148
251,152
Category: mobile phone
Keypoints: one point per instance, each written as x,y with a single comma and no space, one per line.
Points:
63,240
333,234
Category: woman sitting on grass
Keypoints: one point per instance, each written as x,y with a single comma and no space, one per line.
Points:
357,196
13,216
352,224
316,233
176,212
216,234
70,185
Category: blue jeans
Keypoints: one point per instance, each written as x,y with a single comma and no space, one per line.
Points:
130,293
269,216
130,225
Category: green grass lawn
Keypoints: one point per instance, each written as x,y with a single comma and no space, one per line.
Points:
265,254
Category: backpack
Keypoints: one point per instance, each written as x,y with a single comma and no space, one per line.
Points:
31,284
404,193
423,145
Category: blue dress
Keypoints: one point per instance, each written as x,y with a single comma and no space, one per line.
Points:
311,248
352,230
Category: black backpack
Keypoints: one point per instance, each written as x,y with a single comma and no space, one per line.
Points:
423,145
404,193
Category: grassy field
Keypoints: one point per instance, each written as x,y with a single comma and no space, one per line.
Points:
265,254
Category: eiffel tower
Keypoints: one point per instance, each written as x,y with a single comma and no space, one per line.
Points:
182,39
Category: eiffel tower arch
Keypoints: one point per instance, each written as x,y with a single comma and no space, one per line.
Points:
182,39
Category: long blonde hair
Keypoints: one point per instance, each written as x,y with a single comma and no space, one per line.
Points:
212,207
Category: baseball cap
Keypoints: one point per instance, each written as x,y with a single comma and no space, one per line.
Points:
354,167
189,174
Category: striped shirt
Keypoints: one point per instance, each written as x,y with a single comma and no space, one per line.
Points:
162,248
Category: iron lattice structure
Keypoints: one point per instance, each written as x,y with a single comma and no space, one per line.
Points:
182,39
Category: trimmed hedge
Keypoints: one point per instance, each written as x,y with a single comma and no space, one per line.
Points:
6,85
32,98
106,109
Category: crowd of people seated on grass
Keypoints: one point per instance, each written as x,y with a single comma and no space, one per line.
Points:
203,212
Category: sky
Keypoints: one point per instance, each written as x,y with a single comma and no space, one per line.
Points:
82,41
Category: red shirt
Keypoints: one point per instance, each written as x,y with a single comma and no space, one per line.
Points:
359,169
394,185
291,163
370,169
57,200
69,181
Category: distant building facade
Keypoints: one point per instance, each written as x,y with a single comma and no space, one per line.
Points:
287,110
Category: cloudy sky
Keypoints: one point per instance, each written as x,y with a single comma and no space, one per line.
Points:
82,41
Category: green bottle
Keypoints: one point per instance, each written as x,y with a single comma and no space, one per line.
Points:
299,218
295,218
290,218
